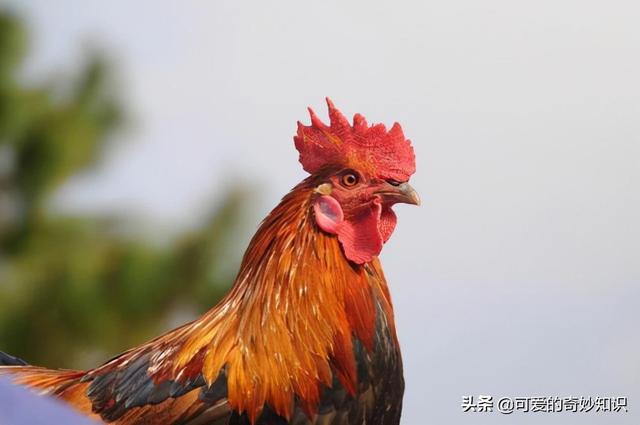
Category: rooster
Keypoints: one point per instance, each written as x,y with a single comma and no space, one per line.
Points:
306,335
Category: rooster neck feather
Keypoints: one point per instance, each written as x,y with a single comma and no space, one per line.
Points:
287,326
302,328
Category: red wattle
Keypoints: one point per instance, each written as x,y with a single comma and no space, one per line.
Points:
387,223
361,235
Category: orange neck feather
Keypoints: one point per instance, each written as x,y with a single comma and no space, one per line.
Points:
287,325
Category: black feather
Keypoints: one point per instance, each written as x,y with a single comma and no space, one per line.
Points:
7,360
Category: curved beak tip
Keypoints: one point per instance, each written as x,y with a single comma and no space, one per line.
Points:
400,194
409,194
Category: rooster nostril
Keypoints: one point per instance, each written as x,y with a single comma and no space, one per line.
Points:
393,182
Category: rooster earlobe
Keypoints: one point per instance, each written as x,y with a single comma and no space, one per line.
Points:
328,213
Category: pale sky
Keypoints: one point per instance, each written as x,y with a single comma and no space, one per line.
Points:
519,274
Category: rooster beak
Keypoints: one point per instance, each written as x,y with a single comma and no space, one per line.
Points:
399,193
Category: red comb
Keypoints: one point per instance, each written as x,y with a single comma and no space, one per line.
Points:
386,154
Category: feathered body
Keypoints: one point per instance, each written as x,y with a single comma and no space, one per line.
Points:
305,336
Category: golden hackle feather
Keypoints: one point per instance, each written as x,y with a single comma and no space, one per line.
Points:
281,333
287,325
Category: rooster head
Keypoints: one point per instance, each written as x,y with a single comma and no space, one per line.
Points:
360,172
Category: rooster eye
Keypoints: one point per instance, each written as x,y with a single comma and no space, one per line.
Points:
349,179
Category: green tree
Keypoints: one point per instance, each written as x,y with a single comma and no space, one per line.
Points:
73,290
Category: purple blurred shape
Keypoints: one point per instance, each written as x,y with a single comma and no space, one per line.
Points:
20,406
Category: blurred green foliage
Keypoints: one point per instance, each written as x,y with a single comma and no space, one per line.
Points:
72,290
